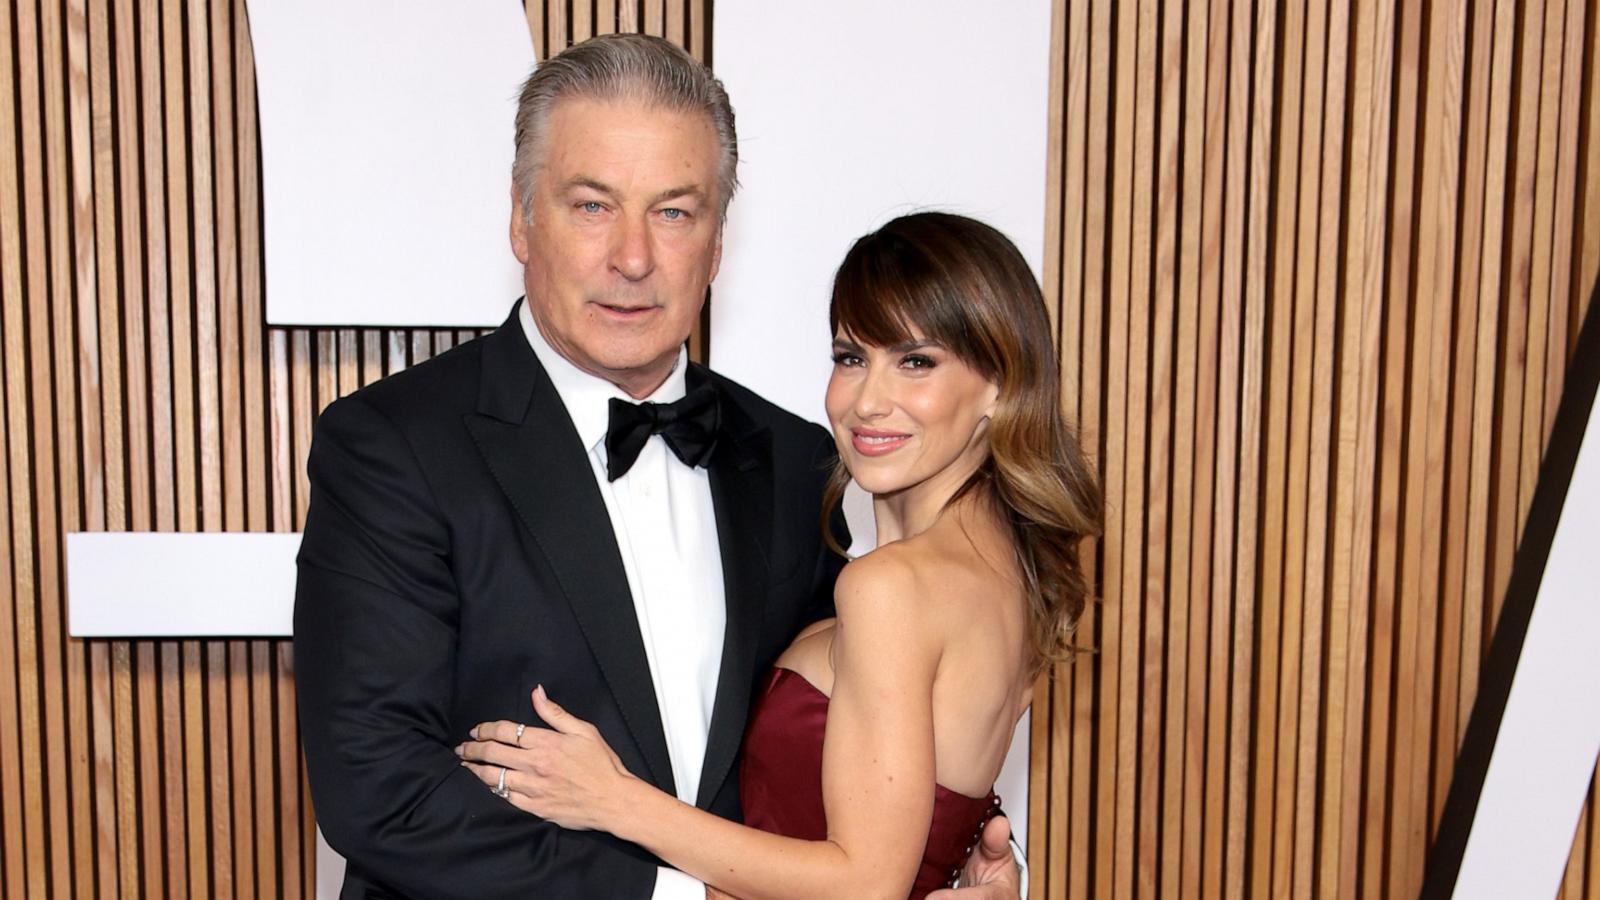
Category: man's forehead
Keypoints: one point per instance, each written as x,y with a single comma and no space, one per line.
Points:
583,112
619,146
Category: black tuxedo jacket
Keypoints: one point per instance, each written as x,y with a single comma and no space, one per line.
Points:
456,553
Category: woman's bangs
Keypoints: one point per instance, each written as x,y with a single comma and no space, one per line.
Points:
873,310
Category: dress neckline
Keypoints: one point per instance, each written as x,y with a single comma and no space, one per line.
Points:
938,788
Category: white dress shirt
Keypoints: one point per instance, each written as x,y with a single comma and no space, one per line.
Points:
666,531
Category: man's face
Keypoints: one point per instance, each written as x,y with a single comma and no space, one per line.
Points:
625,236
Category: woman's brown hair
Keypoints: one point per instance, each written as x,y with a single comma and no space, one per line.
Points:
964,285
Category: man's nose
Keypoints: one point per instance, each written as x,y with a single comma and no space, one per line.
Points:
632,255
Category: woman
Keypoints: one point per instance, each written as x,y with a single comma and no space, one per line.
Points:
869,758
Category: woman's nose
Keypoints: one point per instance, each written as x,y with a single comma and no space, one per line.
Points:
874,398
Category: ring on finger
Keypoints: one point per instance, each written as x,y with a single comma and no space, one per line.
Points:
500,790
520,727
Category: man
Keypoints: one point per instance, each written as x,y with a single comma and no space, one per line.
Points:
504,515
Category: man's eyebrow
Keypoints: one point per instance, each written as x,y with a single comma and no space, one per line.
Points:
684,190
592,184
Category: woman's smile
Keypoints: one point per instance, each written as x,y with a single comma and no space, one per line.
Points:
877,442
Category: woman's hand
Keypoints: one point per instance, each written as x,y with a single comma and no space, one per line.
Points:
567,776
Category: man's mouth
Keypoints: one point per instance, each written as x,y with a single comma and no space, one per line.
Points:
626,312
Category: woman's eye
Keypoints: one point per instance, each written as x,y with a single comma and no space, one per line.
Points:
843,358
918,361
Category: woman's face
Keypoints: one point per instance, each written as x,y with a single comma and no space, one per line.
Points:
908,415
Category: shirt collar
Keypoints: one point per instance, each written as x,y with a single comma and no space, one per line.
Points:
588,397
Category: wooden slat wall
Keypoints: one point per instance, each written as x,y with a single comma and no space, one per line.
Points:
143,392
1317,269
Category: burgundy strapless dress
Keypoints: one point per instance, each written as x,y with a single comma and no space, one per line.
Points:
781,781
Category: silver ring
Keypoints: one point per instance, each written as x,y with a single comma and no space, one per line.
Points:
500,789
520,727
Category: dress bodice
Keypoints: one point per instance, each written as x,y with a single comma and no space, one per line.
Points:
781,781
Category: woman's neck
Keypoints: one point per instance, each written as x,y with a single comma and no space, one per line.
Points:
910,511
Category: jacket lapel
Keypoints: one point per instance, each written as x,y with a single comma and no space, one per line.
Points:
742,495
529,444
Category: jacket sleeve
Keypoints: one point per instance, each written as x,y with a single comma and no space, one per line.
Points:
375,644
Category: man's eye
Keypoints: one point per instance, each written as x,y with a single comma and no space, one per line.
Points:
591,206
673,214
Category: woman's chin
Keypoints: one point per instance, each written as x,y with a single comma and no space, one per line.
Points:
881,484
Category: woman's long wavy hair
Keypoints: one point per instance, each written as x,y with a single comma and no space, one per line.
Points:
963,284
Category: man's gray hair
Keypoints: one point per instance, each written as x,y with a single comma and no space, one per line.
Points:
615,67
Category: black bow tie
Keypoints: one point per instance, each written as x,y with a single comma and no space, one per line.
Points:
689,426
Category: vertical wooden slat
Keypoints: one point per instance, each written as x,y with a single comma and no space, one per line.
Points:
1081,290
1462,596
1180,779
76,352
1165,635
1565,191
66,726
17,544
1044,714
1325,618
1209,704
1592,885
1135,849
1534,414
1118,720
655,12
1202,218
1270,824
1586,261
40,657
1518,272
1254,271
1405,437
1302,599
676,22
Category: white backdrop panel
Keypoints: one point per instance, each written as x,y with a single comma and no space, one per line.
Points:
1544,755
180,584
850,113
386,147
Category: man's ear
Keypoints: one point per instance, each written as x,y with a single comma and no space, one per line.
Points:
519,226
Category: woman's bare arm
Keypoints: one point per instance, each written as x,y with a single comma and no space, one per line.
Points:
877,773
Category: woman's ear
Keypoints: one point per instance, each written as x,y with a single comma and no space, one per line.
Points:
991,400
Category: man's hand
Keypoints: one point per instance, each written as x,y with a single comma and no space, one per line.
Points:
991,871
